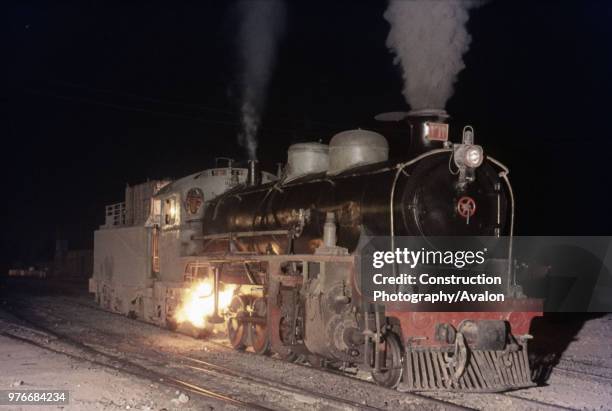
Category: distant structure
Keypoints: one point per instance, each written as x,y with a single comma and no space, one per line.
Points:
67,264
72,264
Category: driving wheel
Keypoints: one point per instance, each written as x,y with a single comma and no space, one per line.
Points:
236,329
391,373
260,339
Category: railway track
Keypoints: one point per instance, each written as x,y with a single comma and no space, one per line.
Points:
537,404
585,369
120,364
140,372
196,367
210,368
455,398
224,377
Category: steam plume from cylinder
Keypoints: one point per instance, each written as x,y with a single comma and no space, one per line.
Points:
429,39
261,24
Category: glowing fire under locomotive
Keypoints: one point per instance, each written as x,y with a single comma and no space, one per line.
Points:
278,257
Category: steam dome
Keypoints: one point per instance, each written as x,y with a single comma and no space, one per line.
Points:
352,148
307,158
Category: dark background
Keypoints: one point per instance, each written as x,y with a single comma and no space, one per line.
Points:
98,94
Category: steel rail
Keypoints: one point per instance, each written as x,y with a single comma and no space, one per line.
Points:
145,373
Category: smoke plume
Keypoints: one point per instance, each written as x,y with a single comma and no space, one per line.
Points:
429,39
261,24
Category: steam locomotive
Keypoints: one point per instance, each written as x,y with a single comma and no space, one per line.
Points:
297,238
290,249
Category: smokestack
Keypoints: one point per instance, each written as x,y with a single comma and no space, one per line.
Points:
254,174
428,130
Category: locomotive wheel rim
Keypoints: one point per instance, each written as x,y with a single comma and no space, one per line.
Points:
236,330
394,365
260,339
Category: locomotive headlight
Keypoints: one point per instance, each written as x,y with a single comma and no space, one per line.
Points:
468,155
473,156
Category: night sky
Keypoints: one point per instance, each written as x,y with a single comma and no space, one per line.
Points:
98,94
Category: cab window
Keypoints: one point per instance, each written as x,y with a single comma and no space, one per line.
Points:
171,211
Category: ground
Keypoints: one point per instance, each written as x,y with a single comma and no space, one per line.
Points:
26,367
109,362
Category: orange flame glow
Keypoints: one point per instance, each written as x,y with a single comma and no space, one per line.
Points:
199,302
